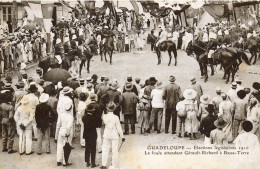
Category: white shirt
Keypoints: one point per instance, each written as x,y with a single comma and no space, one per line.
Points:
205,37
247,139
212,35
175,35
232,94
113,127
157,98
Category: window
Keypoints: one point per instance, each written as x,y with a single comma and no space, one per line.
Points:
7,13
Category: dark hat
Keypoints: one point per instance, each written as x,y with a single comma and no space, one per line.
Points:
241,94
92,97
20,84
81,81
33,88
152,79
128,86
82,97
111,106
25,76
40,81
8,79
220,123
247,126
90,108
129,78
30,79
172,79
256,85
210,108
38,69
137,79
247,90
106,79
94,77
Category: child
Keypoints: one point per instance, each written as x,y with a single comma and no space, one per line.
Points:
207,124
144,107
181,117
218,136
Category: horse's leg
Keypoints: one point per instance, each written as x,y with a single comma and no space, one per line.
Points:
110,55
158,56
81,66
88,65
255,57
212,70
175,55
228,74
201,69
105,55
170,58
205,72
101,55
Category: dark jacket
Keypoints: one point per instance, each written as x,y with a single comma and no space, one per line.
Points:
102,90
7,113
172,94
97,113
111,95
90,125
43,115
129,101
58,50
134,89
207,125
66,47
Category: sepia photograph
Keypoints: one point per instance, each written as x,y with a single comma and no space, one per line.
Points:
130,84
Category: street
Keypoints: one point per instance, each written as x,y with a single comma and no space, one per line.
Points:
142,64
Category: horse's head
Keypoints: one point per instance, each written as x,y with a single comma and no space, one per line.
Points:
190,49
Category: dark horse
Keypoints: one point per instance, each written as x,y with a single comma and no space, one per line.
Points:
108,47
86,56
229,60
201,57
48,62
169,46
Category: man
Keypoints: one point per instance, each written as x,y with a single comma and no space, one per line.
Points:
232,93
239,111
238,80
217,100
197,88
94,80
137,84
172,95
72,81
63,131
90,135
207,124
111,135
34,101
24,117
97,113
147,91
80,89
8,123
65,97
218,136
100,84
175,37
129,79
129,101
157,107
44,115
18,94
113,95
102,90
162,37
53,101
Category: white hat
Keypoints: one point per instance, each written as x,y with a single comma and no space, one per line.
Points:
74,37
58,58
106,27
249,35
23,66
58,41
189,94
43,98
205,99
66,39
226,32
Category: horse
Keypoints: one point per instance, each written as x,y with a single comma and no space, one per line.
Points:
107,47
201,57
168,45
49,62
87,54
253,46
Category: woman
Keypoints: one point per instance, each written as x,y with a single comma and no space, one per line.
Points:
81,112
191,123
202,113
144,107
253,115
63,130
44,48
225,108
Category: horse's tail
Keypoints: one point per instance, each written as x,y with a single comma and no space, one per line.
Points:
245,58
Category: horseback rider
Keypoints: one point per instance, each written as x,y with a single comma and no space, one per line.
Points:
58,51
162,36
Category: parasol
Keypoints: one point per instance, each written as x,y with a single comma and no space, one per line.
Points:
56,75
67,149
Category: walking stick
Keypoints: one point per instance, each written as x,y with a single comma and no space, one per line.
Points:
120,146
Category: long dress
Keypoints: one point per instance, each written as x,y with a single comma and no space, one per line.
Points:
225,109
191,123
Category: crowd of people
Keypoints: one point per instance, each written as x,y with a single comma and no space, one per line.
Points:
37,109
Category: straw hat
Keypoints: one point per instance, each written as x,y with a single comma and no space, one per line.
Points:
128,87
43,98
189,94
74,37
66,39
111,106
234,85
220,123
159,85
114,86
67,90
205,99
